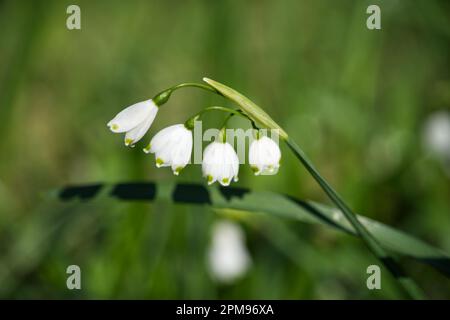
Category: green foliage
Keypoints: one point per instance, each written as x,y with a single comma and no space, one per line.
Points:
355,100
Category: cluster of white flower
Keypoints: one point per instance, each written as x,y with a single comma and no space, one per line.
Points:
172,146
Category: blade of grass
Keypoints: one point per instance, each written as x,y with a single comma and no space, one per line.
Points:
389,262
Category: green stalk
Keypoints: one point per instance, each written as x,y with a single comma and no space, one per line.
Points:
264,120
162,97
409,286
194,85
232,112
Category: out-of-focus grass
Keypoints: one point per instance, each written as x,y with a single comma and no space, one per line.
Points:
356,100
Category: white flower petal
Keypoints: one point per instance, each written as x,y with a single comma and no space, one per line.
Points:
264,156
220,163
211,161
172,146
136,134
182,155
132,116
228,256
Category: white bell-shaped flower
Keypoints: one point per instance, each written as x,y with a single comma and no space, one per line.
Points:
264,156
228,256
220,163
172,146
134,121
437,134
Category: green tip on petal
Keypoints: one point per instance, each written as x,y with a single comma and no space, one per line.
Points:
115,127
159,162
177,170
255,169
226,180
128,142
209,178
147,148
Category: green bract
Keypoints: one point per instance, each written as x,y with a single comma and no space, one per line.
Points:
248,107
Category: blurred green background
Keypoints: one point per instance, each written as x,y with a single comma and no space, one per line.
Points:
370,108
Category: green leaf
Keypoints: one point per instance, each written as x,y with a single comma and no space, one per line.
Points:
261,201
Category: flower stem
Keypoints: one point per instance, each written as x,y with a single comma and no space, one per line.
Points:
227,118
162,97
408,285
195,85
190,122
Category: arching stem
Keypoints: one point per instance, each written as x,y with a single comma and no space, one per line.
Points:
232,112
162,97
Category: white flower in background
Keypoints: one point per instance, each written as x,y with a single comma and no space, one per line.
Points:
264,156
228,257
437,133
172,146
220,163
134,121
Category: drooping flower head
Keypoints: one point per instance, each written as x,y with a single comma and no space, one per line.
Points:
220,163
264,156
172,146
134,120
228,256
